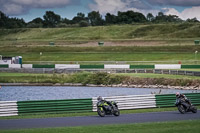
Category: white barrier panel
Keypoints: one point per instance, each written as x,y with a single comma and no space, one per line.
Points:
14,65
130,102
5,61
167,66
107,66
27,65
8,108
64,66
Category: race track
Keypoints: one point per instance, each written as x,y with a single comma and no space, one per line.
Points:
96,120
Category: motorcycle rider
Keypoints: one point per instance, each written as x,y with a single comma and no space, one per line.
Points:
106,104
187,102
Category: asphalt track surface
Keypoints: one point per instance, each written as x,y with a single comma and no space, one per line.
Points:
96,120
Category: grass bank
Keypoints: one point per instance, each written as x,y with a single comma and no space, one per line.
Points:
102,78
111,32
189,126
153,42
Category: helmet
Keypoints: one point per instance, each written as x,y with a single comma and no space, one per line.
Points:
178,94
99,98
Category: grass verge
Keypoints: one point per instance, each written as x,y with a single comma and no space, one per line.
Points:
43,115
189,126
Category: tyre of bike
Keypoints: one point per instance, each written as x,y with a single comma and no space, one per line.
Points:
116,112
181,109
101,112
193,109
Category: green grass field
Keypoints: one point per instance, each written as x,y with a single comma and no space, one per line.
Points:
190,126
154,43
147,54
30,58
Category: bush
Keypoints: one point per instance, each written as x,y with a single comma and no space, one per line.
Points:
83,24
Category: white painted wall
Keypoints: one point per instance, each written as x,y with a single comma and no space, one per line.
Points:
14,66
167,66
27,65
5,61
64,66
110,66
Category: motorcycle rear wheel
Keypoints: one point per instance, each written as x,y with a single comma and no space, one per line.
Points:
194,109
181,109
116,112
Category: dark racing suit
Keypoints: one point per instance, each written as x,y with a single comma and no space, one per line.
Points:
106,104
186,102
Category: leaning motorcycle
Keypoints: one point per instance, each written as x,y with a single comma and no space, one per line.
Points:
108,109
180,103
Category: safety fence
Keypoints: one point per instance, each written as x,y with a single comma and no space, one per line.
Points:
45,106
130,102
52,70
104,66
11,108
8,108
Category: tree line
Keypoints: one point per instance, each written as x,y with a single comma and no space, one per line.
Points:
93,18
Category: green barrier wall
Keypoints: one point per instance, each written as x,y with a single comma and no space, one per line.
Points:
43,66
190,66
4,66
142,66
55,106
168,100
92,66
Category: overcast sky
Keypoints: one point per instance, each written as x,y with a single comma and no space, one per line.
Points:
30,9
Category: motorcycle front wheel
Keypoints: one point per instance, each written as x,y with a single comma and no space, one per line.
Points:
101,112
181,109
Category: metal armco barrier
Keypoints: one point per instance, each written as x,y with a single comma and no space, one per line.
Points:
52,106
10,108
130,102
53,70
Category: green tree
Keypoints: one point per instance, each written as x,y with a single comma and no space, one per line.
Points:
51,19
130,17
193,20
160,14
66,21
83,23
110,19
173,18
150,17
95,19
3,20
35,23
161,18
80,17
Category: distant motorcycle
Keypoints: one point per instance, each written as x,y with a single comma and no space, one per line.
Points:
107,108
181,105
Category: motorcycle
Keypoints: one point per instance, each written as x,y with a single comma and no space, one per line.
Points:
182,106
107,108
